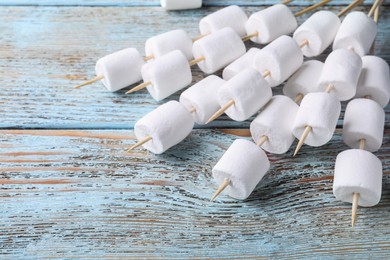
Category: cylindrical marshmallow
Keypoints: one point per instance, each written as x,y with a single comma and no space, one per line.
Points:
120,69
320,111
244,164
249,91
361,172
341,69
167,74
281,58
304,80
374,80
168,125
180,4
219,49
164,43
357,32
231,16
319,30
242,63
364,119
275,121
203,98
270,23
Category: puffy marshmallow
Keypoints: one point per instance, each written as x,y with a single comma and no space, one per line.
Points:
180,4
249,91
167,74
270,23
203,97
357,32
120,69
231,16
242,63
364,119
374,80
219,49
358,171
319,30
341,69
320,111
275,121
244,164
164,43
281,58
304,80
168,125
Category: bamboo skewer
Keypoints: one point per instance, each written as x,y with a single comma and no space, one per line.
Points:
88,82
350,7
310,8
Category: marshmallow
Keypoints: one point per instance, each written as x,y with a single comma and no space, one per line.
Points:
341,69
357,32
164,43
304,80
374,80
231,16
244,164
270,23
320,111
242,63
281,58
275,121
219,49
319,30
358,171
168,125
249,91
364,119
180,4
167,74
203,97
120,69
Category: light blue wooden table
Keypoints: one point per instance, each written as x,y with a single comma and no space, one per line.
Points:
68,190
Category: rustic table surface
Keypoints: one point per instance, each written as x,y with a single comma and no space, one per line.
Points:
68,189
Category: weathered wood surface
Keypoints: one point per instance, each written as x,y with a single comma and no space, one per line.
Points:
46,50
71,194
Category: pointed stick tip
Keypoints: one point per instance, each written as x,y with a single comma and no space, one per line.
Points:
221,188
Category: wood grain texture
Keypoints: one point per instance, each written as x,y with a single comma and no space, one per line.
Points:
47,50
78,195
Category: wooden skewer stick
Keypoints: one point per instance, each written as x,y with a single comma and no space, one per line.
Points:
350,7
376,15
192,110
139,87
310,8
195,61
304,135
362,144
303,43
262,140
286,2
221,111
355,198
88,82
298,98
374,6
150,57
223,186
329,88
139,143
199,37
249,36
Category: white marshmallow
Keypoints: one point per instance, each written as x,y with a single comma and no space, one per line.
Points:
364,119
244,164
219,49
120,69
167,74
270,23
168,125
341,69
374,80
164,43
203,97
231,16
180,4
357,32
249,91
281,57
358,171
242,63
304,80
275,121
320,111
319,30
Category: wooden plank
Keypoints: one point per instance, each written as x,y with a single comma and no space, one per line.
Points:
76,194
47,50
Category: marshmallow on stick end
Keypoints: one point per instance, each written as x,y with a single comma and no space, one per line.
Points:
180,4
